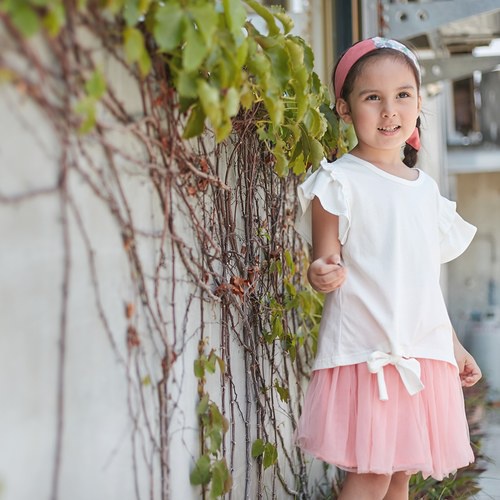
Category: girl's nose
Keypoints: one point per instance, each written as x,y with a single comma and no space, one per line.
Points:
388,112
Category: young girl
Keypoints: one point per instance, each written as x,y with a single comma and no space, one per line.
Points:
385,398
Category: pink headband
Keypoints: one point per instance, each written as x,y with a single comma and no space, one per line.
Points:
357,51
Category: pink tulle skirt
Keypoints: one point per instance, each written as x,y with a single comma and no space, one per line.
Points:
344,422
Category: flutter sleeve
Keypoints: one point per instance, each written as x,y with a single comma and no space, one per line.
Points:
455,233
332,191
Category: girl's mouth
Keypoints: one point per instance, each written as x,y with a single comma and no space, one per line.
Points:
389,129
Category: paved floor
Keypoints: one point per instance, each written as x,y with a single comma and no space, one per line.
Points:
490,479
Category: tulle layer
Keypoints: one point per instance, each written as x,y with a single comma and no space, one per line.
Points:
345,423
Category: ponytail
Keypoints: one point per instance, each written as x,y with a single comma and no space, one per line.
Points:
410,153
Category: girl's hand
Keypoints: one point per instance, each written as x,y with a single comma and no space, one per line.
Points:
469,370
326,273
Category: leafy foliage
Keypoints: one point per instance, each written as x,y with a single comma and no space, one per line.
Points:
211,467
267,451
221,65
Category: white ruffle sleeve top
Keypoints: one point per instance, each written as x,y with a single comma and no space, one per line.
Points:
395,234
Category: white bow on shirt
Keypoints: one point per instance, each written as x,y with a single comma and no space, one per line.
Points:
408,368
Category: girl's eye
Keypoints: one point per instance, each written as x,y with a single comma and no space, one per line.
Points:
372,97
403,94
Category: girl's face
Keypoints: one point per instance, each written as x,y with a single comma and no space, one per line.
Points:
383,105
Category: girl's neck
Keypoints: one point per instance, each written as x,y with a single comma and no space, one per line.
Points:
388,161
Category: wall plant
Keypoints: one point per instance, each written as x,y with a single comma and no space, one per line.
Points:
220,65
229,115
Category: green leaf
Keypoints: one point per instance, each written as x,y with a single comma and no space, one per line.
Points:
221,479
144,5
247,97
315,123
169,26
270,455
231,102
296,52
206,21
194,50
135,49
25,20
308,57
215,437
95,86
289,261
201,473
131,12
186,84
280,64
223,131
276,109
210,101
283,392
195,124
277,328
87,108
241,53
257,448
202,405
285,19
114,5
54,20
316,153
134,43
266,15
144,63
298,165
281,166
199,368
217,419
235,16
258,63
211,362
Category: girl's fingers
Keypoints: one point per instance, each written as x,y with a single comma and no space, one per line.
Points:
326,269
329,286
470,374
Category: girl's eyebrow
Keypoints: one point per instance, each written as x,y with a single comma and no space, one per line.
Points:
408,86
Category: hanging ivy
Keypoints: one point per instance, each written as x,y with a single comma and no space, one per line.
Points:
220,65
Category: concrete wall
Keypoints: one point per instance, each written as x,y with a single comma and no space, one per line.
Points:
100,448
69,381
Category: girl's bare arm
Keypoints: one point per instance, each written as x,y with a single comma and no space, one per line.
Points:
325,272
469,370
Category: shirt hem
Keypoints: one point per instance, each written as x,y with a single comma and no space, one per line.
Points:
324,363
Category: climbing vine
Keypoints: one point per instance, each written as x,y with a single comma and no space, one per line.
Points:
222,116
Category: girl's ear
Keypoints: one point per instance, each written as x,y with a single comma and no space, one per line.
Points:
419,103
343,110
